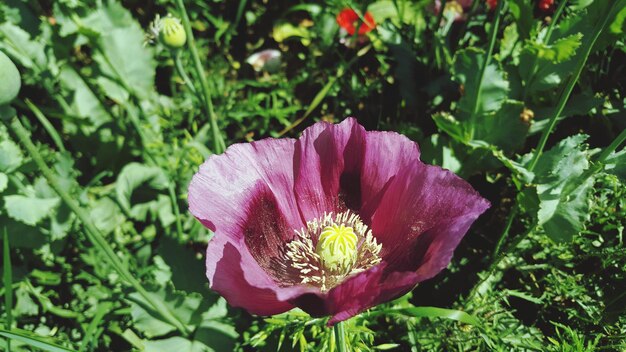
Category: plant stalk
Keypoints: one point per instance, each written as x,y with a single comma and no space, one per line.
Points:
218,142
492,43
340,337
8,284
93,234
569,88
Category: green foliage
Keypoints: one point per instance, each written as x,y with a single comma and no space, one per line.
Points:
123,125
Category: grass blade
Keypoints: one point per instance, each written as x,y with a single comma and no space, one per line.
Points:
32,340
8,283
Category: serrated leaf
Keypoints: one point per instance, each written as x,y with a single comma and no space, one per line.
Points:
10,156
29,210
561,50
563,215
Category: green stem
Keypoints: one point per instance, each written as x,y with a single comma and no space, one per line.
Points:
494,265
340,337
492,43
218,142
612,147
505,231
93,234
546,40
8,284
183,74
440,15
56,138
569,88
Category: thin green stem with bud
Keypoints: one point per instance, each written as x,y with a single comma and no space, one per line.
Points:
218,141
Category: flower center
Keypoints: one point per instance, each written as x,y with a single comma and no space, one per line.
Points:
337,247
331,248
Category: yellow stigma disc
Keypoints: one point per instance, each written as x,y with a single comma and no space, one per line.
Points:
337,247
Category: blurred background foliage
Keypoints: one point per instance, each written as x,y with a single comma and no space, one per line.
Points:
123,132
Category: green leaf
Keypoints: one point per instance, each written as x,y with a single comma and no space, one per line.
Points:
563,215
494,86
134,175
17,43
435,312
106,215
522,11
10,156
29,210
4,182
561,50
451,126
616,164
504,128
124,57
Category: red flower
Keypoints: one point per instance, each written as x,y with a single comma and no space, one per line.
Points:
349,20
545,5
492,4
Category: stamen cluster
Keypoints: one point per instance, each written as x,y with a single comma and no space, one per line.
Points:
332,248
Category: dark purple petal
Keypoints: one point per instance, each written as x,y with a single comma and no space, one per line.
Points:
220,194
418,202
234,274
366,290
386,153
326,155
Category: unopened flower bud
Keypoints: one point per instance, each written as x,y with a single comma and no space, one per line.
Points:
10,81
172,33
169,31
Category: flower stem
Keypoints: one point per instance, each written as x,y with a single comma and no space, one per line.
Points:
340,337
570,87
218,141
183,74
612,147
492,43
8,284
93,234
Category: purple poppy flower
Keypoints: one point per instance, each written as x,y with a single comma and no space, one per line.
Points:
335,222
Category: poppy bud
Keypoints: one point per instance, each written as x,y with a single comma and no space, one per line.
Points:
172,33
168,30
10,78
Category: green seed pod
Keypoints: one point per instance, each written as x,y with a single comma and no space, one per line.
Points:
10,81
172,33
